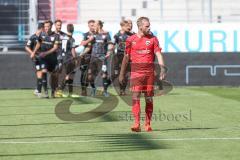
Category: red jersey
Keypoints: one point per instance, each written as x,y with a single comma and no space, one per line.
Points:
142,52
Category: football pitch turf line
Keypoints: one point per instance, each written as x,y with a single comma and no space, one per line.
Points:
149,139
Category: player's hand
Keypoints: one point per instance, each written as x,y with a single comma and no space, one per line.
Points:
42,54
32,56
107,55
163,72
91,37
162,76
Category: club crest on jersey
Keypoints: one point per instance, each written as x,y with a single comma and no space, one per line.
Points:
103,36
52,38
148,43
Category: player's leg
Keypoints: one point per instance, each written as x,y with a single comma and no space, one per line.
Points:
124,84
39,78
70,76
105,79
92,73
52,64
136,111
115,73
148,112
83,76
61,76
84,80
136,82
44,77
148,93
115,67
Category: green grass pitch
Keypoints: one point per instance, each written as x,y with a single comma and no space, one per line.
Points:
188,123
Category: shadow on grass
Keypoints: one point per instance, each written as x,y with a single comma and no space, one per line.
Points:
108,143
185,129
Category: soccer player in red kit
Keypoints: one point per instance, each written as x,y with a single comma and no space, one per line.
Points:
141,50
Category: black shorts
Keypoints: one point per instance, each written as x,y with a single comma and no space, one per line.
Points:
38,64
117,61
51,63
69,67
84,62
97,65
117,64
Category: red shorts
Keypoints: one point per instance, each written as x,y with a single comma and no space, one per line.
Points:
142,82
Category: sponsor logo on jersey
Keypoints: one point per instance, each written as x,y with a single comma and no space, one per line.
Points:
140,51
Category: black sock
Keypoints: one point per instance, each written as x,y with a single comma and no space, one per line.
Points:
105,84
44,81
70,86
109,81
39,85
92,85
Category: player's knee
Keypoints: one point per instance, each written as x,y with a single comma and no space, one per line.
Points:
90,78
136,95
148,99
104,75
39,74
67,77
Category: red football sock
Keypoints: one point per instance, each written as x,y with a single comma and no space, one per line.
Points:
148,111
136,110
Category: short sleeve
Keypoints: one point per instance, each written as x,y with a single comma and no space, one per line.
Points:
29,42
156,46
128,46
85,36
109,40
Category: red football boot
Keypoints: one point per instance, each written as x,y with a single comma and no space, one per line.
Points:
136,128
148,128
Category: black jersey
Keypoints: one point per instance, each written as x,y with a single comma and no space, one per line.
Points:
61,36
100,44
120,40
48,41
32,41
86,36
68,43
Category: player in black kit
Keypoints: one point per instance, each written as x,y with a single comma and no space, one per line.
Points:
30,47
69,60
85,60
46,50
102,48
120,41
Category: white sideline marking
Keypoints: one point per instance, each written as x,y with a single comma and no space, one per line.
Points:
88,141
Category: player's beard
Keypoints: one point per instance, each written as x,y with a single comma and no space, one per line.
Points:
146,33
58,30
